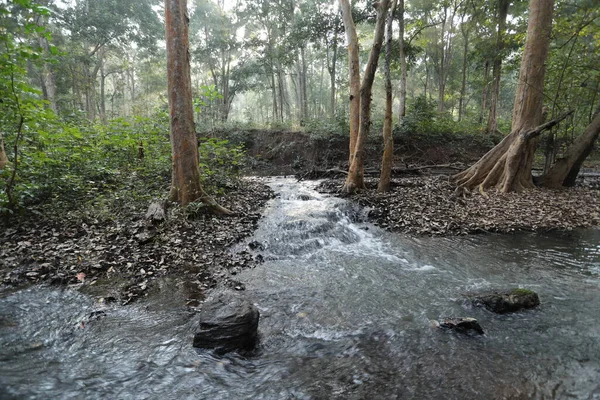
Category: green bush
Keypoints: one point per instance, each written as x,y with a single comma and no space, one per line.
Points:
220,163
326,128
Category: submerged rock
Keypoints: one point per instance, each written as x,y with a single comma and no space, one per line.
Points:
462,325
228,322
505,302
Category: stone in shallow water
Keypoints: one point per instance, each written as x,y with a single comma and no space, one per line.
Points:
228,322
505,302
462,325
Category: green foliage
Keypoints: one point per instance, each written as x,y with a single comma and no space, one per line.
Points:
68,163
423,125
220,163
327,129
22,109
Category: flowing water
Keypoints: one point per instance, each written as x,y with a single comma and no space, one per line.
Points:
346,313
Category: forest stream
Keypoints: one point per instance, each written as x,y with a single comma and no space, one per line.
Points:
346,313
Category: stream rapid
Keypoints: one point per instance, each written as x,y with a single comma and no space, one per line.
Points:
346,311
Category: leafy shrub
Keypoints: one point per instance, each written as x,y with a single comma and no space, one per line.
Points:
326,128
220,163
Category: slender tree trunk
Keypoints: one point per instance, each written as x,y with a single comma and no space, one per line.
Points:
484,92
3,157
463,84
403,65
565,169
102,95
304,104
492,125
388,141
355,179
354,72
48,78
508,165
332,74
185,183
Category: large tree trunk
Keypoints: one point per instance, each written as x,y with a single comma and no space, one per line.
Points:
388,141
492,125
508,165
185,181
403,66
355,179
354,74
565,169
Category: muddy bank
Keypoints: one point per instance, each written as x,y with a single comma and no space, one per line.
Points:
428,205
282,152
118,257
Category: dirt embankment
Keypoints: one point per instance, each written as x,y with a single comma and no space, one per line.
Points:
276,152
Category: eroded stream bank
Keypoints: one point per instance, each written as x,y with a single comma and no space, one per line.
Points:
346,310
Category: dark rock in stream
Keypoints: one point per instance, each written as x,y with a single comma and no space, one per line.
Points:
228,322
505,302
462,325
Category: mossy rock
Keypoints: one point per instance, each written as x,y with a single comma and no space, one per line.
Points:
505,302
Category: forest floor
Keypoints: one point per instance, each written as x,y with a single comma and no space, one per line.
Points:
118,256
428,205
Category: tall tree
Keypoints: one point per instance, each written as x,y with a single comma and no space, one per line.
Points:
388,140
508,165
185,180
501,14
403,65
355,179
354,75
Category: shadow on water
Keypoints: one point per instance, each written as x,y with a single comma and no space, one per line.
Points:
345,314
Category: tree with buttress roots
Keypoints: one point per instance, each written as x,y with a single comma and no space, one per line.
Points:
185,179
507,166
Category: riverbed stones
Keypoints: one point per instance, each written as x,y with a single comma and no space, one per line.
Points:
228,322
507,301
462,325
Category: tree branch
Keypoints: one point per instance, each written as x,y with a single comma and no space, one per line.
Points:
535,132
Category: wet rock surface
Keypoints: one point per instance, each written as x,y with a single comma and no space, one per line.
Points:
429,205
228,322
462,325
120,256
507,301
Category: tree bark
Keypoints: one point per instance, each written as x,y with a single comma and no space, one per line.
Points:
355,179
403,66
565,169
185,181
354,72
508,165
492,125
388,141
